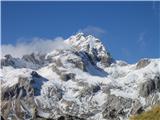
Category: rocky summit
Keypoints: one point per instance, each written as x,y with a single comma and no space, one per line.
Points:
82,82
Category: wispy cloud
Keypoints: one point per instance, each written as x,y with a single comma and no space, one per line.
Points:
93,30
141,40
37,45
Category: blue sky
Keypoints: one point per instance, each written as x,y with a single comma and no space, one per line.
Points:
129,30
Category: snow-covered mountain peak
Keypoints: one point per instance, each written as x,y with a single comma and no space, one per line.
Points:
85,42
79,83
92,46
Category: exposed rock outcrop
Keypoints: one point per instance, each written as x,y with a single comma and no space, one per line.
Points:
116,107
150,86
142,63
34,58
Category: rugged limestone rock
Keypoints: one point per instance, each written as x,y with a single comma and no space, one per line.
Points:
67,76
21,97
27,61
21,89
115,107
142,63
150,86
147,88
137,107
69,117
106,60
7,61
78,63
157,82
35,59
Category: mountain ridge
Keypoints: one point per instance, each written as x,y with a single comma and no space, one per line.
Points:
82,82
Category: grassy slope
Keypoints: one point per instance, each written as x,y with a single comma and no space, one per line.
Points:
153,114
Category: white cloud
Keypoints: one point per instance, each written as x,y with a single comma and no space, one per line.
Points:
37,45
96,31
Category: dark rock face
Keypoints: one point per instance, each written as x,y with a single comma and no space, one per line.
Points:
147,88
19,90
2,118
78,63
37,82
69,117
8,61
35,74
89,90
67,76
106,60
21,96
115,107
93,47
96,88
150,86
157,82
18,96
93,57
32,61
142,63
55,93
137,107
35,59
